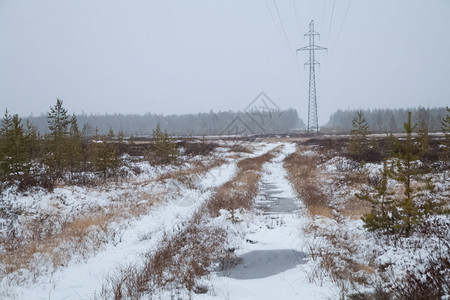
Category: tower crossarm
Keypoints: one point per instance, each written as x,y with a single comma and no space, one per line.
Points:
311,47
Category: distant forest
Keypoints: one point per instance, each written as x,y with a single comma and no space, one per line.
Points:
246,123
387,120
212,123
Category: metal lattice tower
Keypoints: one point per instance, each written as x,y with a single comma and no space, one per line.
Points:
313,121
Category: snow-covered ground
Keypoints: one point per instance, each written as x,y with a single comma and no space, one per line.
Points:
83,278
273,248
276,264
83,281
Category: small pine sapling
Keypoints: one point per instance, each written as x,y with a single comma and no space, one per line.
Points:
383,213
358,144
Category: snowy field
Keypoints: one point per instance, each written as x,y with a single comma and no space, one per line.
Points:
279,250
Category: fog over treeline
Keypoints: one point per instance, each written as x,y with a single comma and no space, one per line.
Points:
212,123
388,120
246,123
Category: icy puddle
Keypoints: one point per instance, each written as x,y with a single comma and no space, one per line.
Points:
264,263
275,201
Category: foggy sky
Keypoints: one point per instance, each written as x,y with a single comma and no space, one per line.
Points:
111,56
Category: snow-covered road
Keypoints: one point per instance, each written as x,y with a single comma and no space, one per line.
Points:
274,260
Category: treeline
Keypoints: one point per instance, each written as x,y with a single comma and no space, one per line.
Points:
65,154
387,120
211,123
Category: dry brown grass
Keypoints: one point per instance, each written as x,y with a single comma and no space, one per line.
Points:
188,175
51,241
303,173
235,194
335,249
240,192
355,208
178,261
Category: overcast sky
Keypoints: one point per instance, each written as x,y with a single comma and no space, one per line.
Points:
110,56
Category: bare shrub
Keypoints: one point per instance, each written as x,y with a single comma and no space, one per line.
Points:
192,148
239,148
431,283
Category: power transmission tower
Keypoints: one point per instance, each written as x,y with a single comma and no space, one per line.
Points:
313,121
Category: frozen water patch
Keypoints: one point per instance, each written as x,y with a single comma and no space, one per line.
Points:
264,263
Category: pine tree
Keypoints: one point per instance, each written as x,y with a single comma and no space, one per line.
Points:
403,171
400,215
383,211
34,140
58,120
445,152
58,123
162,150
111,134
6,125
74,146
120,136
358,144
104,156
392,145
15,149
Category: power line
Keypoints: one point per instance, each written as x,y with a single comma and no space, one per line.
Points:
297,17
323,15
283,37
331,22
276,25
342,25
285,34
282,25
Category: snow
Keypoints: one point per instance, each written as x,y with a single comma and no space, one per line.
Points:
84,280
277,235
275,246
218,176
269,234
